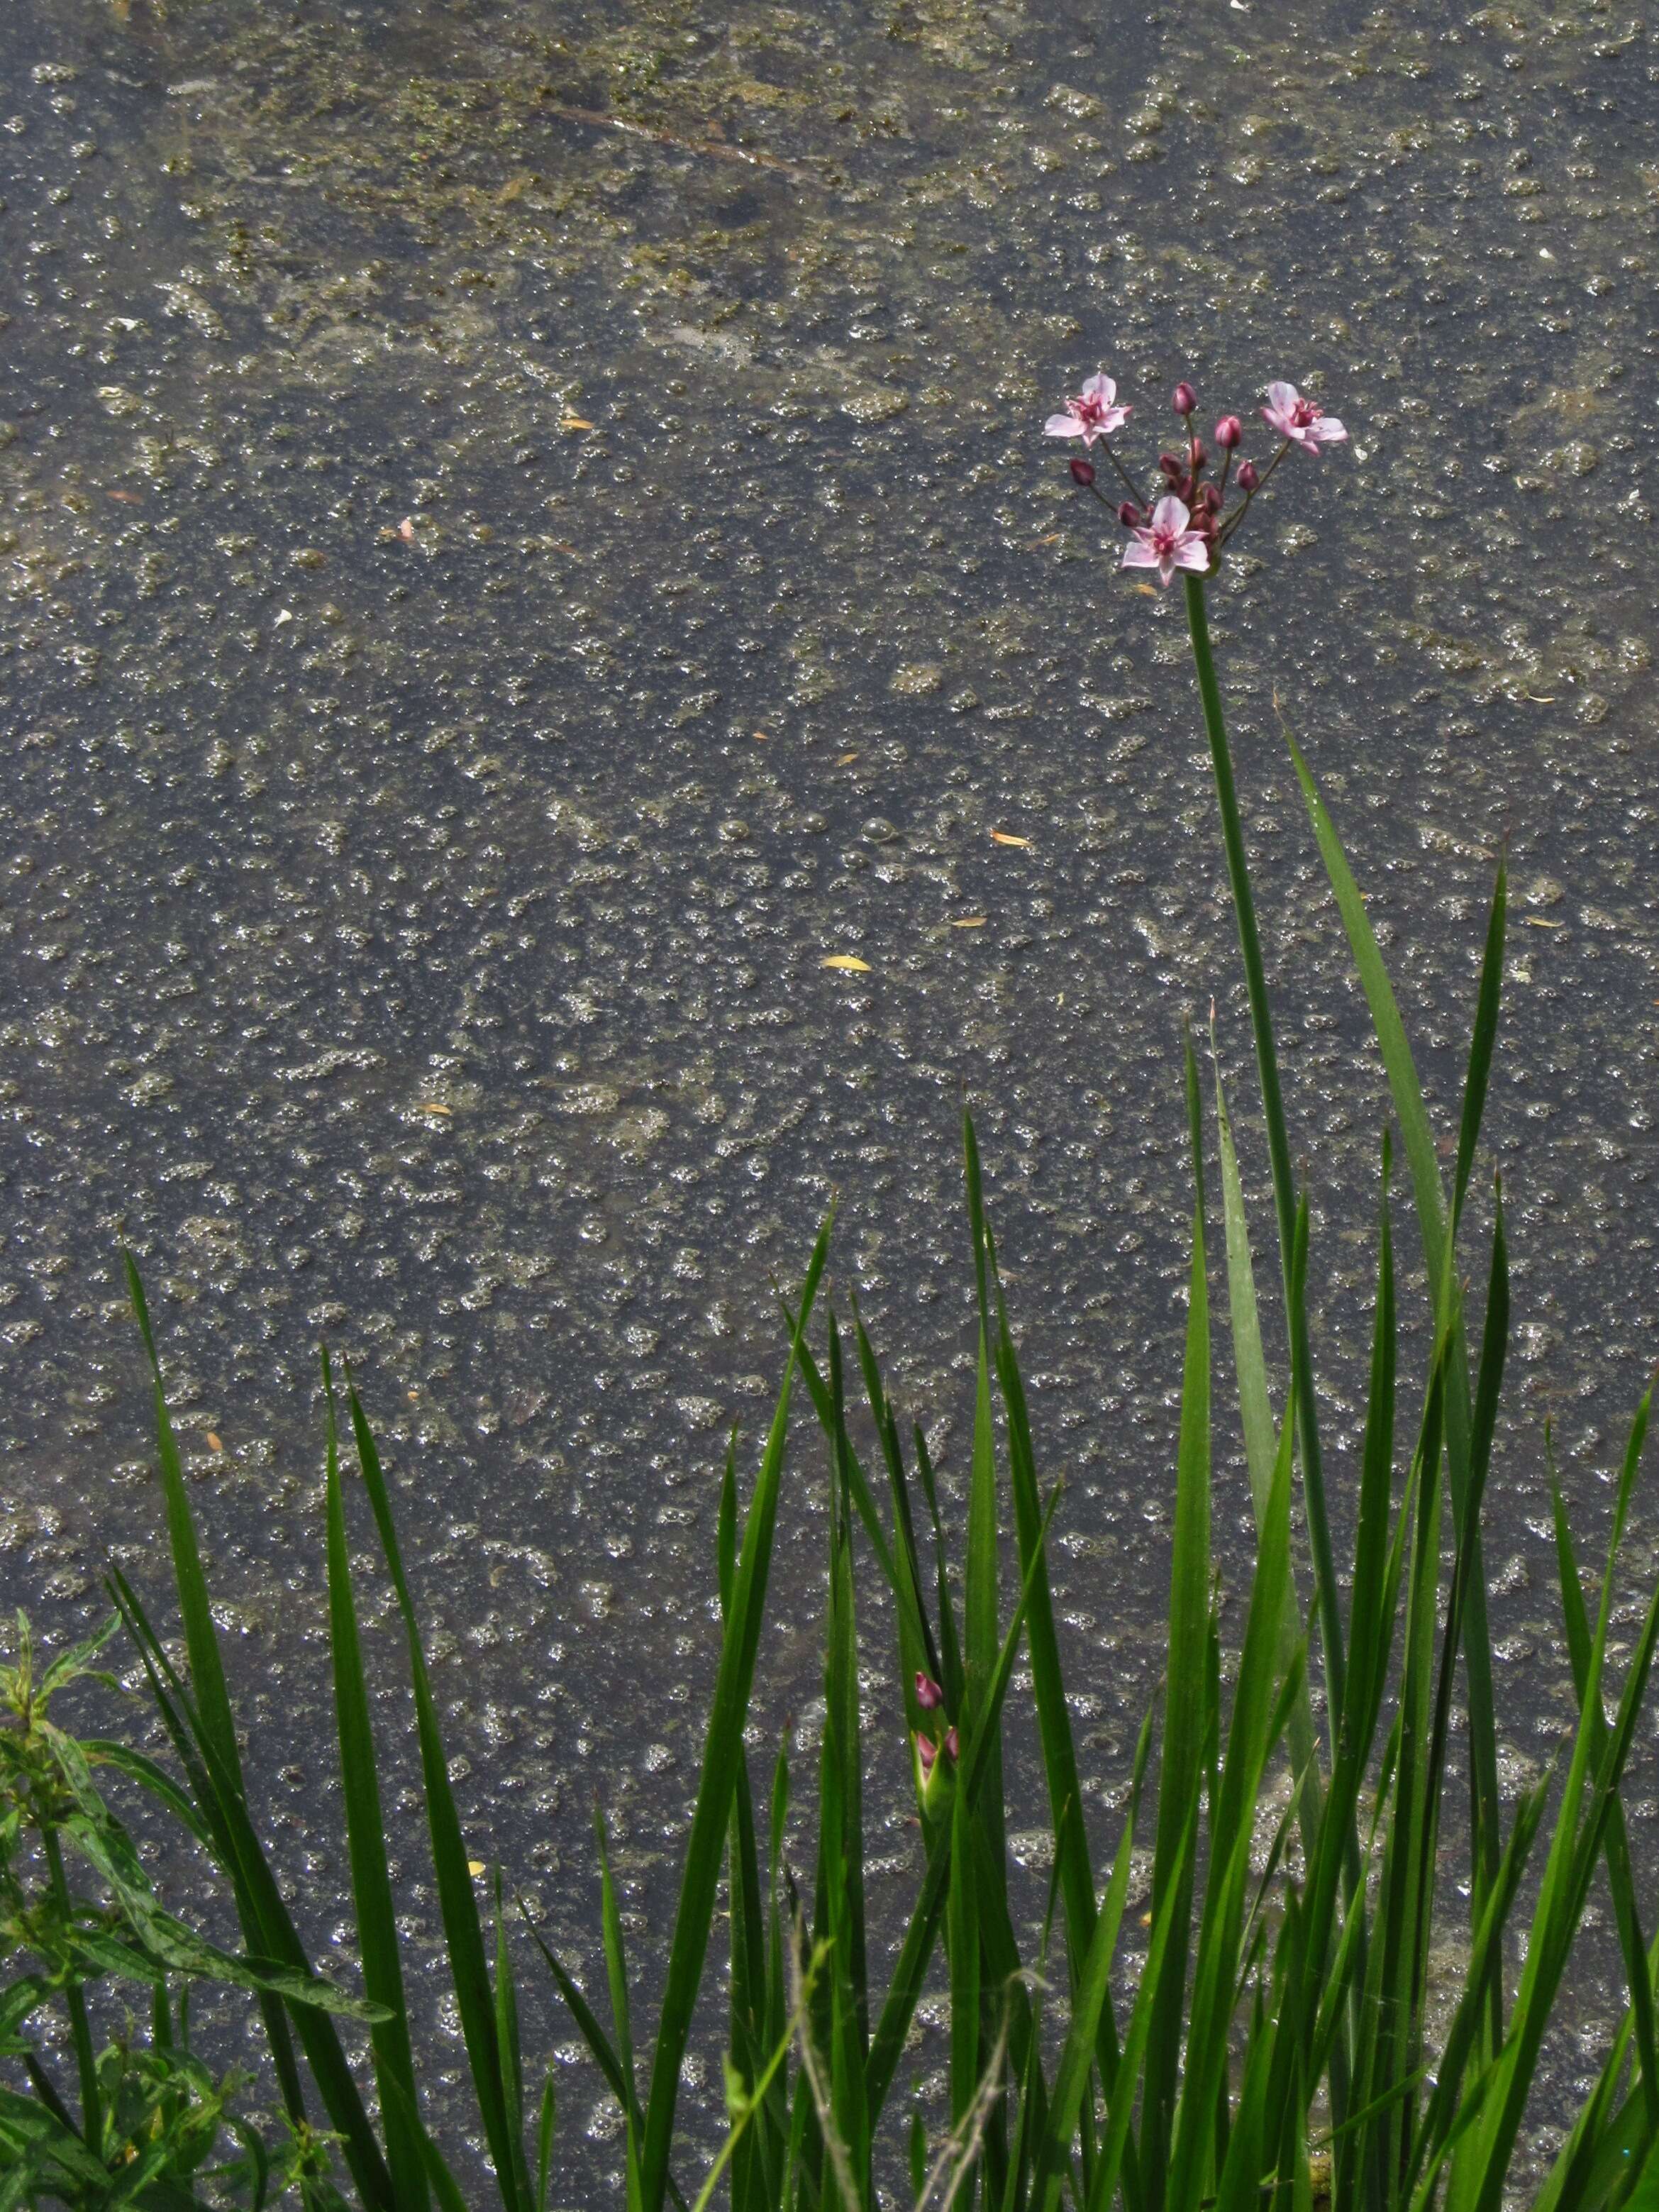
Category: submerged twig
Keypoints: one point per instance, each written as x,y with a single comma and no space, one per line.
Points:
961,2147
812,2065
600,120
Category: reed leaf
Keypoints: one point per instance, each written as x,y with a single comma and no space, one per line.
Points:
365,1845
458,1903
705,1847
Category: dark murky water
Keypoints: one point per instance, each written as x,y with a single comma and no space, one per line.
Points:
417,936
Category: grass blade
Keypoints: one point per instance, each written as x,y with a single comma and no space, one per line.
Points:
1437,1239
1620,1877
458,1903
1482,1041
1077,2053
207,1672
1254,1406
705,1848
1258,1703
268,1930
887,2043
544,2124
1186,1698
371,1879
979,1610
1575,1846
508,2042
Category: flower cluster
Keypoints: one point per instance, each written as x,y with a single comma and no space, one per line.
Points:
936,1754
1188,523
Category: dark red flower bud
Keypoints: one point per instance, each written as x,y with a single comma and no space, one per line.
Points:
1082,473
1199,456
1210,499
1183,398
1128,515
950,1746
1172,465
929,1696
1228,432
1249,475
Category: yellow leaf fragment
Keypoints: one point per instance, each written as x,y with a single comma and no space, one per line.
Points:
845,760
475,1866
1007,837
574,422
967,921
848,960
214,1443
431,1106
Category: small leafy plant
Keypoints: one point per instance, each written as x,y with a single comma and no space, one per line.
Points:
154,2123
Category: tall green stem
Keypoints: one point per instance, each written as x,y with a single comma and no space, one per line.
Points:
92,2103
1279,1147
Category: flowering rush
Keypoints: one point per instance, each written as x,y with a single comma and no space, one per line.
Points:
1300,420
1187,521
1093,414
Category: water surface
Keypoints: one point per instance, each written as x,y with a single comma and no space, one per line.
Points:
494,599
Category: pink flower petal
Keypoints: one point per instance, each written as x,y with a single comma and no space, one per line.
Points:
1139,554
1063,426
1100,387
1192,553
1331,429
1171,515
1284,397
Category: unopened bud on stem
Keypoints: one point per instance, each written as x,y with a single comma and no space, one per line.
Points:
1183,398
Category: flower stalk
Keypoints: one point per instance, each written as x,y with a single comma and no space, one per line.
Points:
1285,1197
1186,530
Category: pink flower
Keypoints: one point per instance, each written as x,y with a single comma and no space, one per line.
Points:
1166,543
1093,414
929,1696
1301,419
